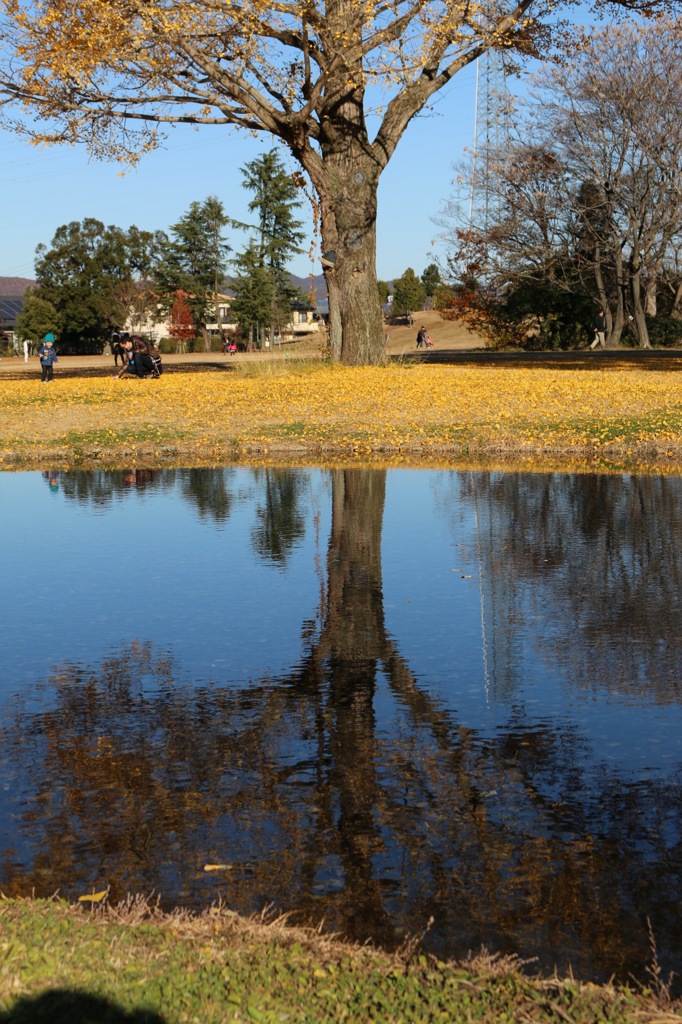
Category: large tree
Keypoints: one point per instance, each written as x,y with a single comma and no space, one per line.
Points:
337,82
93,275
586,199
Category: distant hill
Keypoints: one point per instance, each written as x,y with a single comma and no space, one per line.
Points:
304,285
15,285
18,285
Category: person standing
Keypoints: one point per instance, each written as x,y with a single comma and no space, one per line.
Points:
421,337
48,357
599,324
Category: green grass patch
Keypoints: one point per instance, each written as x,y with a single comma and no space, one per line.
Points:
105,438
62,964
294,429
601,431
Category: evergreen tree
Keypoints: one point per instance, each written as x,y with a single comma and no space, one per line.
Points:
196,260
408,294
254,294
37,317
431,279
279,234
275,199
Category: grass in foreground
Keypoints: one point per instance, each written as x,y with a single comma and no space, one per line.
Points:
62,964
628,417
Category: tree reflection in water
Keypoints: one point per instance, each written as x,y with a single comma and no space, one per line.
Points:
132,780
595,552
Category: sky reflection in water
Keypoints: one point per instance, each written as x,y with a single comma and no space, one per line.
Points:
379,697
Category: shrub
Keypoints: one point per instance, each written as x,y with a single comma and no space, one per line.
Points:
664,331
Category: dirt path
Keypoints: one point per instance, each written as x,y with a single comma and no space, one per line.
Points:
453,344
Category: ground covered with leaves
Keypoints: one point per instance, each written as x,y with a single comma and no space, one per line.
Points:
131,964
627,417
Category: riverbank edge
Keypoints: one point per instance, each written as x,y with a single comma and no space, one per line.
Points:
649,457
133,963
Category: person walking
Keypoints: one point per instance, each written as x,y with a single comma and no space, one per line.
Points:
421,337
48,357
599,325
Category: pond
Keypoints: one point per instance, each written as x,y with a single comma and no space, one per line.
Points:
398,702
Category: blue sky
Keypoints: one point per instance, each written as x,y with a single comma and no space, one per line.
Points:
45,188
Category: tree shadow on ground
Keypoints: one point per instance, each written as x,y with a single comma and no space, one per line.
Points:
64,1006
73,372
585,359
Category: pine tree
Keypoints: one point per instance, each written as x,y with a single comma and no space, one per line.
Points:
196,261
408,294
254,294
279,234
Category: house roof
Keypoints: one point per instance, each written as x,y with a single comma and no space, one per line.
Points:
10,308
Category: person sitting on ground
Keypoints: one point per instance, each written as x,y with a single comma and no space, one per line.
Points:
126,353
141,363
144,364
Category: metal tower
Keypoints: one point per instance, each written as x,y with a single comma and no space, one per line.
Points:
491,134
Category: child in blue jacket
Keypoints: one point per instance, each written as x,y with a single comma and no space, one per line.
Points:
48,357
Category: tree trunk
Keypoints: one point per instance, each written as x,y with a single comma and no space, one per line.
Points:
601,293
676,312
346,180
637,307
349,261
651,294
613,339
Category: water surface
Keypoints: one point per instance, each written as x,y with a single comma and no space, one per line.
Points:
392,701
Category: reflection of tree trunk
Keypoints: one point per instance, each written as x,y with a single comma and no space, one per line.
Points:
354,629
353,644
352,640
